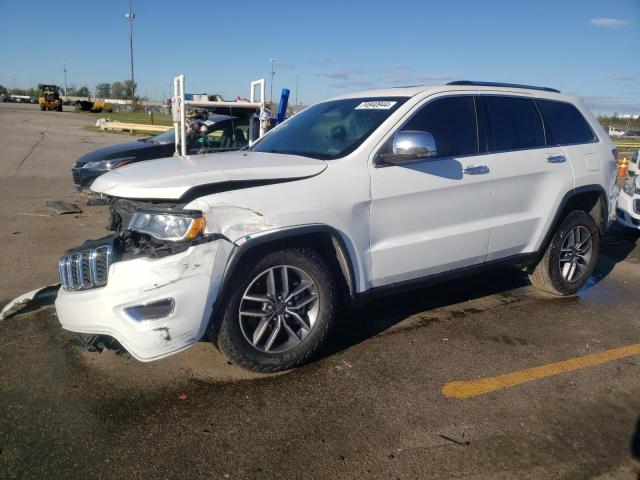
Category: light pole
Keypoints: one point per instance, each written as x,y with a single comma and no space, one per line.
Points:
130,16
64,69
297,83
273,61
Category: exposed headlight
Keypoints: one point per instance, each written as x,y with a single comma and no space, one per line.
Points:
632,185
106,164
168,226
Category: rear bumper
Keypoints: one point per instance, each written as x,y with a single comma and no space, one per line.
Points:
628,210
192,279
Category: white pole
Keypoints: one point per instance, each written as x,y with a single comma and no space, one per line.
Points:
183,128
175,123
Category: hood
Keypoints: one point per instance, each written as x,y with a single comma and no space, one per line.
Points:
130,149
171,178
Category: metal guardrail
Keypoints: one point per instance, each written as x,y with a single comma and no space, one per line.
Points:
134,127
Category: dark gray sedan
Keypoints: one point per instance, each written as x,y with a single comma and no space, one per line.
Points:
223,133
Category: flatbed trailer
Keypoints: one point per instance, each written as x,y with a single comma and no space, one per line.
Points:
252,109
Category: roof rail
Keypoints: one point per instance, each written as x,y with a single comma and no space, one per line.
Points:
497,84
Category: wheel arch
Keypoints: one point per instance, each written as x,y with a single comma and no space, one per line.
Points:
590,198
330,243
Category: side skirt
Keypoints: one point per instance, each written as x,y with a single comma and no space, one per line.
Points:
522,261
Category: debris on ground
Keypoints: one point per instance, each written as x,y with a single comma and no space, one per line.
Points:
33,214
33,300
98,343
62,208
95,200
463,443
183,396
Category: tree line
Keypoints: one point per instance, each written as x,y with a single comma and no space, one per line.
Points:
34,92
117,90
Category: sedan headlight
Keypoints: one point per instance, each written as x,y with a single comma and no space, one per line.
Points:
632,185
106,165
168,226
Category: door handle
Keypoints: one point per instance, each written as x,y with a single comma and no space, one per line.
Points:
556,159
478,170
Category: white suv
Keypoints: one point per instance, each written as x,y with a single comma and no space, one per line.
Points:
352,197
628,208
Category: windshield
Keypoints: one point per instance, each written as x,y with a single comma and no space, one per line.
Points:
331,129
164,138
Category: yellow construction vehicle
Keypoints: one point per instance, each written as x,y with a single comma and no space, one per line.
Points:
49,98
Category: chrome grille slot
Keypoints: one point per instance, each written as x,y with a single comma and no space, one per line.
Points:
76,177
85,269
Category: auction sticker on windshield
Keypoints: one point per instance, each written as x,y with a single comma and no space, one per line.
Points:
376,105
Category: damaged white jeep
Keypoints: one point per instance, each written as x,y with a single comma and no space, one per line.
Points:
352,197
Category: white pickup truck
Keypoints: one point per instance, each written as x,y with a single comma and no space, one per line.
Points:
353,197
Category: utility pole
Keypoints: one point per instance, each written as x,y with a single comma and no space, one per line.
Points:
297,83
64,69
130,16
273,61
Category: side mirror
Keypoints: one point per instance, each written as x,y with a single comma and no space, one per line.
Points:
409,146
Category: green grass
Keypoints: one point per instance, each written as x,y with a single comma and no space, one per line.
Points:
627,140
131,117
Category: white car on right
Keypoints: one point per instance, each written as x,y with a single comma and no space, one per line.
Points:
634,163
628,207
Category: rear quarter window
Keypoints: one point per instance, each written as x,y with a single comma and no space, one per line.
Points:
515,123
564,124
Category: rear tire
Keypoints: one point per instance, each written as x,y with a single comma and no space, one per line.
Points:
42,108
570,257
266,326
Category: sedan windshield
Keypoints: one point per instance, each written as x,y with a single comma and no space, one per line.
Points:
329,130
164,138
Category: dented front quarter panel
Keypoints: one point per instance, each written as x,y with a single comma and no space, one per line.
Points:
192,278
337,198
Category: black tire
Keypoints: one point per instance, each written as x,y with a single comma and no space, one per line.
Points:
42,108
547,275
232,342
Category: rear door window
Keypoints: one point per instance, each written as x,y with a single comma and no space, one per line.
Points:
452,122
515,123
564,124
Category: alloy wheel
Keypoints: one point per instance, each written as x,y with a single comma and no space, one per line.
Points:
278,309
575,253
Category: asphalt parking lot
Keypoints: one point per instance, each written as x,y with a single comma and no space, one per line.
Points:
435,383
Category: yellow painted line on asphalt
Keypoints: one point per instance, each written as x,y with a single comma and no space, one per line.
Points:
473,388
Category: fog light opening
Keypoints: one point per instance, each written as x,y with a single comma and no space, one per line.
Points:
151,311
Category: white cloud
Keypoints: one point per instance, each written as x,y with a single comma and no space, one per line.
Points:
345,74
622,78
353,84
608,22
420,79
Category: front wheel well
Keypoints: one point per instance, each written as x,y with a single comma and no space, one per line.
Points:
326,242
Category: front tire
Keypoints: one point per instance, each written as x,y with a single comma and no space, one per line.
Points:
570,257
280,311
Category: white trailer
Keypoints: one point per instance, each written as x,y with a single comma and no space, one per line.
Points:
254,108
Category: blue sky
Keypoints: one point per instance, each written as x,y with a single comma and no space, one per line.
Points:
587,47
